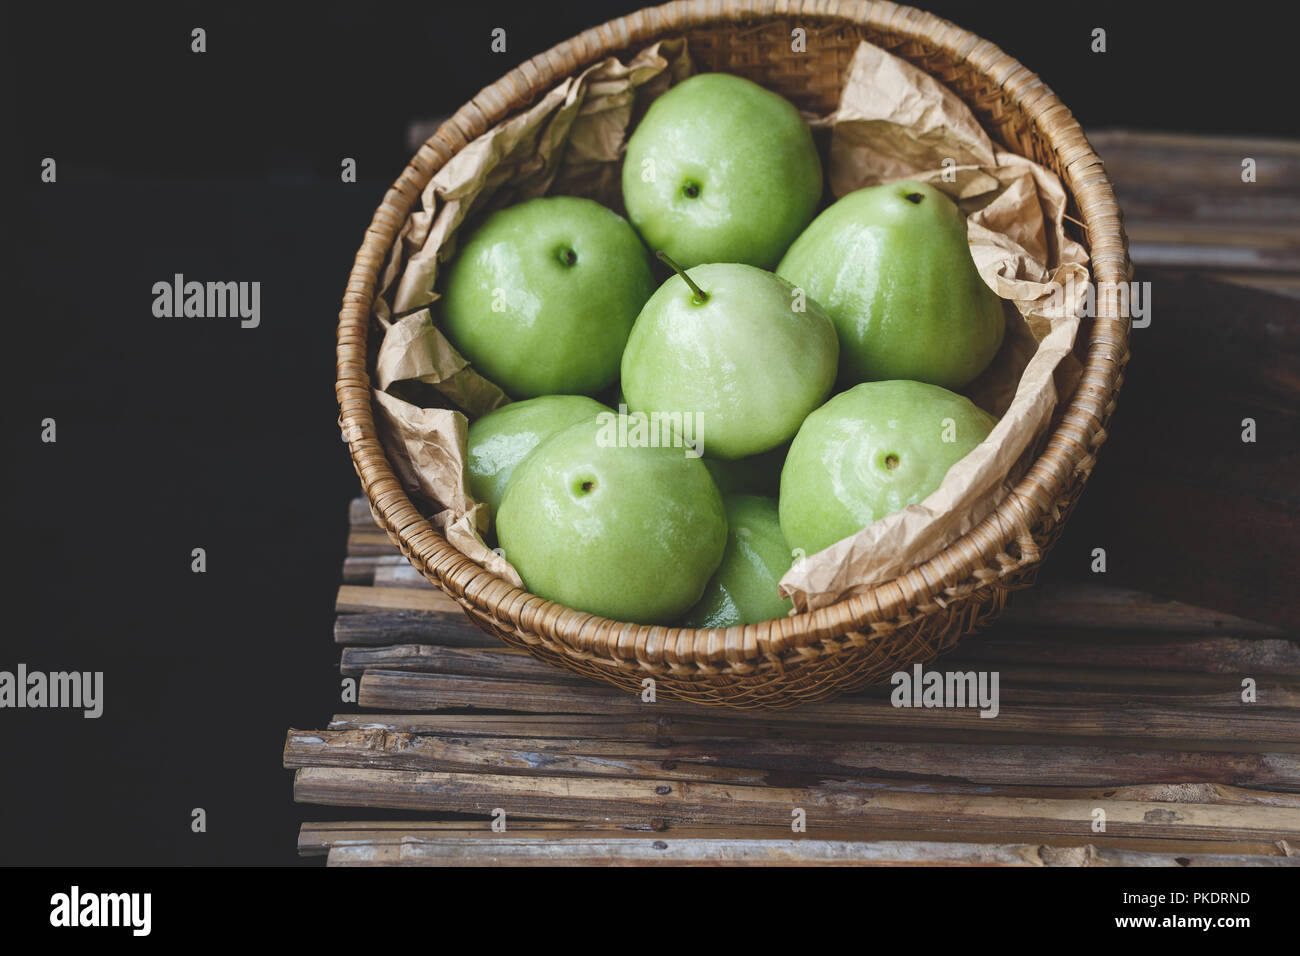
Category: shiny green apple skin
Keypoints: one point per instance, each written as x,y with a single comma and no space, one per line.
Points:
503,438
629,533
542,295
869,452
745,361
897,278
744,588
733,174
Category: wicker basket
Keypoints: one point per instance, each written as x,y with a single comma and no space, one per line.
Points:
908,620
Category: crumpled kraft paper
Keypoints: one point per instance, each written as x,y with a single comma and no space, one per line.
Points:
427,447
893,122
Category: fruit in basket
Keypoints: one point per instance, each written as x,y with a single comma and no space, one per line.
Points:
869,452
503,438
744,588
892,267
631,532
737,349
721,170
542,295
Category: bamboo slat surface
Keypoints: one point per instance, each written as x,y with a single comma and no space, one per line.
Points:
1114,705
562,850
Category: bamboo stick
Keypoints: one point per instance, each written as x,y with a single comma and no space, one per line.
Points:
493,660
317,838
1203,716
830,805
648,851
371,542
669,728
360,569
354,600
400,576
1137,651
388,627
758,762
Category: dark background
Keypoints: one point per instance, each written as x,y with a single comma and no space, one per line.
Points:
175,434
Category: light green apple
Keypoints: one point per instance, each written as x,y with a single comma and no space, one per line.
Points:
744,588
872,451
542,295
892,267
503,438
737,349
721,170
629,532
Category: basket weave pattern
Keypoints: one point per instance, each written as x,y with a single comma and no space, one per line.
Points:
893,625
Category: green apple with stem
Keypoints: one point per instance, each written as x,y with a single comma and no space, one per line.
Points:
869,452
744,588
734,346
542,295
892,267
721,170
501,439
630,532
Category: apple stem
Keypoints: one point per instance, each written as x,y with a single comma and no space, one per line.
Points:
700,296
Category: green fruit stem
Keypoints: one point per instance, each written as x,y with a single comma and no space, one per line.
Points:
700,296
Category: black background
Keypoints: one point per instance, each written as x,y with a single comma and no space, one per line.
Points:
176,434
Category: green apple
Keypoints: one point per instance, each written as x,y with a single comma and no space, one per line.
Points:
744,588
737,349
757,475
542,296
892,267
869,452
503,438
721,170
629,532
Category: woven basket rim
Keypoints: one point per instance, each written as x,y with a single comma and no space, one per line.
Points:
925,588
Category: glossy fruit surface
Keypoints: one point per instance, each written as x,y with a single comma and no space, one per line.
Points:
503,438
869,452
630,533
892,267
721,170
745,362
542,295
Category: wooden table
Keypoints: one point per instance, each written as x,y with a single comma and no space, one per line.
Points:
1133,729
